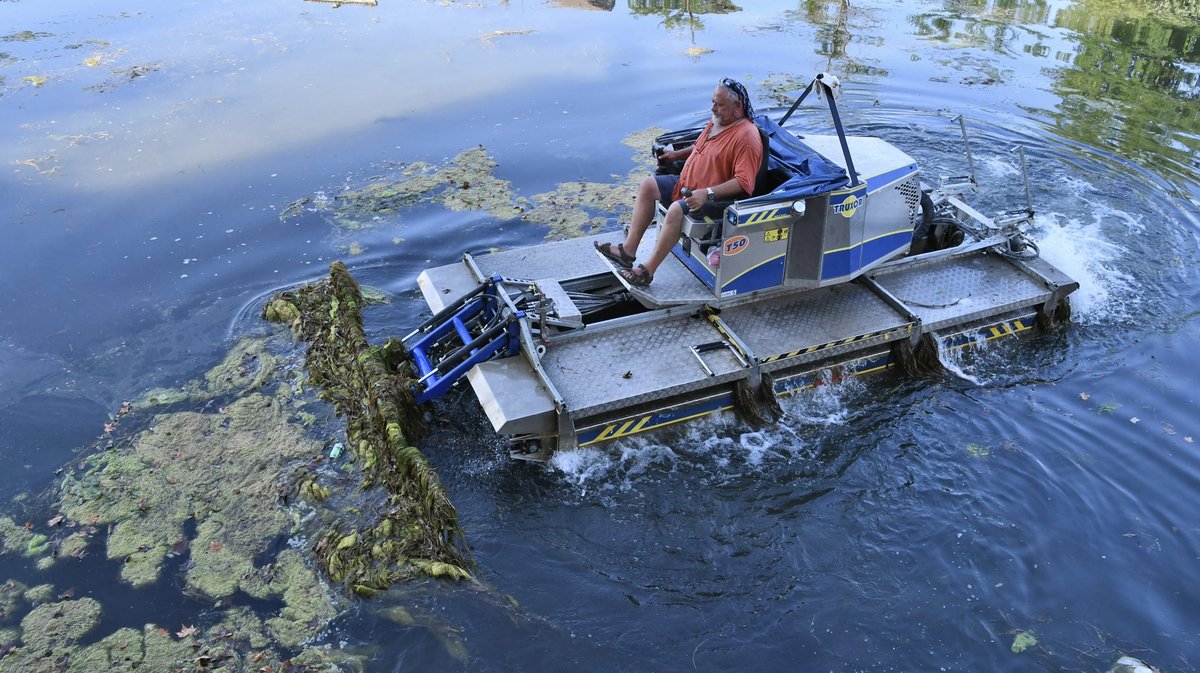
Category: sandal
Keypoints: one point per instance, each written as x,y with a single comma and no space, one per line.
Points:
621,259
638,277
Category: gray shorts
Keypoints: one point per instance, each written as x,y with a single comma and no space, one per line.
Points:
666,187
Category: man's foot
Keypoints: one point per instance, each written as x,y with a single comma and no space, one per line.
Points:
616,253
639,276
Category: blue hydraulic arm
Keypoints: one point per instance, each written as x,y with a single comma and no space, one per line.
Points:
475,328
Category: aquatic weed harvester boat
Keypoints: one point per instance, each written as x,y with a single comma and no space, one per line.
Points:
843,258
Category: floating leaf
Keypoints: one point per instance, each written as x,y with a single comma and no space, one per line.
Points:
1135,420
1083,396
1023,641
1108,408
365,591
1169,429
35,80
186,631
488,37
978,451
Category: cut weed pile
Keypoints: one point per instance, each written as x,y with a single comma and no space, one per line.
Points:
414,531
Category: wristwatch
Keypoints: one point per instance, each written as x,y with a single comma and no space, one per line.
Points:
711,196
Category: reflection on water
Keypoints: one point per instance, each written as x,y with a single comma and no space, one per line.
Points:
883,524
1126,75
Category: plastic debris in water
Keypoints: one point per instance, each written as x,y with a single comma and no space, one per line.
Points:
1128,664
335,451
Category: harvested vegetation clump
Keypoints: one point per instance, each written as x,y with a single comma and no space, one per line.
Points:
414,532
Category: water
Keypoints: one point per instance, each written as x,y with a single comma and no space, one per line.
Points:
882,524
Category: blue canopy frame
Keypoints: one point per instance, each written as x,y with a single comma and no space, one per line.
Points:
811,173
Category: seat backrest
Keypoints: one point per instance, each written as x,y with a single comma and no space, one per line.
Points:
762,182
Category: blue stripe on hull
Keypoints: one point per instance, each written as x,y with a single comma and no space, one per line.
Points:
787,386
843,262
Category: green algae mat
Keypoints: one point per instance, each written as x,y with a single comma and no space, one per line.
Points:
228,481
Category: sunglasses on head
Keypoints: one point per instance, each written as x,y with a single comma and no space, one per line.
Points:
735,87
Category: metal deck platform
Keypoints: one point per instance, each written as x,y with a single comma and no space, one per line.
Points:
621,376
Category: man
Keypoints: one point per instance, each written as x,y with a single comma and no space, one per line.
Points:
721,165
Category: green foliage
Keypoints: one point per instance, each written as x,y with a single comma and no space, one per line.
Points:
50,631
24,36
414,531
1023,641
466,183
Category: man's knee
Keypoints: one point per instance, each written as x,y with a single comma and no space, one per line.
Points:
649,189
674,216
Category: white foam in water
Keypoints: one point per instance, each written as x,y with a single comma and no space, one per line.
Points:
1000,167
952,358
1078,244
822,404
581,466
615,465
1081,251
719,445
756,445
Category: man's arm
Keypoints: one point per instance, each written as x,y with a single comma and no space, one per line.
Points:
725,191
675,155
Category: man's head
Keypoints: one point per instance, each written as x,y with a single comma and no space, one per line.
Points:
730,102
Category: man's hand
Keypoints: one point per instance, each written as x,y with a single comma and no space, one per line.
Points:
696,200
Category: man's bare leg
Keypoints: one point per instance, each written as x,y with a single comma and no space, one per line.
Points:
643,214
668,236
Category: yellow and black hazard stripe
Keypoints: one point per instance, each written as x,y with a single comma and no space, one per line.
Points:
656,419
764,216
832,344
628,427
1007,329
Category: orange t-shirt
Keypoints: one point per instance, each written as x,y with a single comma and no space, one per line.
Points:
734,152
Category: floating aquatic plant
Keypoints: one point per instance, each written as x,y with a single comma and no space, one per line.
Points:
1023,641
467,182
415,530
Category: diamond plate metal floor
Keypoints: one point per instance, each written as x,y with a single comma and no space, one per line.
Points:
673,284
796,322
572,258
955,291
620,368
648,358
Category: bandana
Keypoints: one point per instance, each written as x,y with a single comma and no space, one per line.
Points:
735,87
